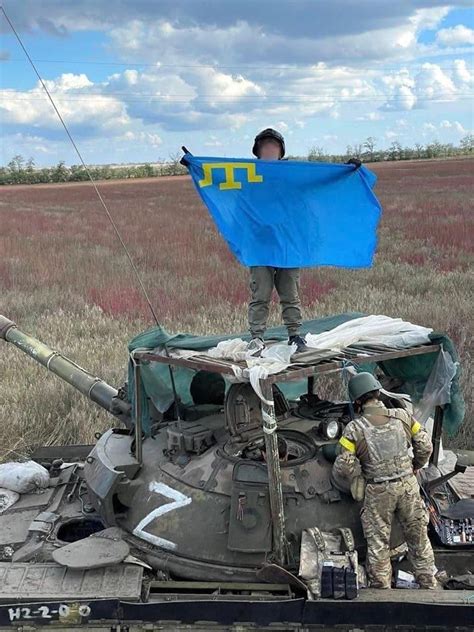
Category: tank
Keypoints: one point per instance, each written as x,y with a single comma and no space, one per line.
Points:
200,517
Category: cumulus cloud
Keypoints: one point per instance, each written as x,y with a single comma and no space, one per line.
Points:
29,144
213,142
455,36
84,112
283,127
215,87
198,99
453,125
401,86
431,83
445,126
154,140
277,37
371,116
462,76
68,82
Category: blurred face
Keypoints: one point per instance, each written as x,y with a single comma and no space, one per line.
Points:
269,149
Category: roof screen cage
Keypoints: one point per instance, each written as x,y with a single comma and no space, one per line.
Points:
417,368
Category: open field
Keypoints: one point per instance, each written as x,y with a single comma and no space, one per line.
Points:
65,279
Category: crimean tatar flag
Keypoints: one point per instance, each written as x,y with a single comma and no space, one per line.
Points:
290,214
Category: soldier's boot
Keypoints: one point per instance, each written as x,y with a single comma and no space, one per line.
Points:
380,585
255,346
299,342
427,581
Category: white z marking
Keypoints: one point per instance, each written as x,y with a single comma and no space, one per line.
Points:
178,500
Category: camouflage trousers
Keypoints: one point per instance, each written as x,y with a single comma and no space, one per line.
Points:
287,283
382,502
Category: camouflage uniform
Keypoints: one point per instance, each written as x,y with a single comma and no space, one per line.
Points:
287,283
391,487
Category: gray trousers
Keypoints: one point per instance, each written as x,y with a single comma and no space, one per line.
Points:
287,283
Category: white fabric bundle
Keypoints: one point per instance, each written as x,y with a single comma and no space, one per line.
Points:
23,478
272,359
234,349
380,330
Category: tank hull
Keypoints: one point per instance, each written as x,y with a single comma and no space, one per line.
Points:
125,596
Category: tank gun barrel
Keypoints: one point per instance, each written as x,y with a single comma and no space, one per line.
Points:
92,387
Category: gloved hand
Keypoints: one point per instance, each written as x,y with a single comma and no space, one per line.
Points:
358,488
183,160
356,162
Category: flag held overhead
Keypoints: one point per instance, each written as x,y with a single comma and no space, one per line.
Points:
290,214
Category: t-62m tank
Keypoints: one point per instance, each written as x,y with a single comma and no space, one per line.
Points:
191,508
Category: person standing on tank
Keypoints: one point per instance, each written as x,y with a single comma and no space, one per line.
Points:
270,145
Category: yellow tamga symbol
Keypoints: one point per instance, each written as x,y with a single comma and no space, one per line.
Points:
229,170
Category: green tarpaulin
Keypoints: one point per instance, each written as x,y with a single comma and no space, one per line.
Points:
413,370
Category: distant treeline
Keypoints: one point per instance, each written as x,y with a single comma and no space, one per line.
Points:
22,171
368,152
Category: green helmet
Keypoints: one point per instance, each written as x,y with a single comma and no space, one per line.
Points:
361,384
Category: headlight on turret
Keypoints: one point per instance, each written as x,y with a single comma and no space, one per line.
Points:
330,429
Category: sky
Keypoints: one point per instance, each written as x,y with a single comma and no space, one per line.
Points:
134,81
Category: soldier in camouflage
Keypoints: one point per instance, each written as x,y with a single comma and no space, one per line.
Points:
375,448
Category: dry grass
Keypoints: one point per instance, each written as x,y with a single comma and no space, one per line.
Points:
64,278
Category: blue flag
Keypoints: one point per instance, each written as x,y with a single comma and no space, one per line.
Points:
290,214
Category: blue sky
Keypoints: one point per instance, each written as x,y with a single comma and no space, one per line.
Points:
136,82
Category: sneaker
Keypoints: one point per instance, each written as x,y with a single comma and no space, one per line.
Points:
255,347
299,342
